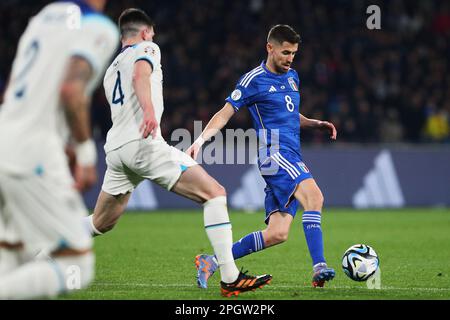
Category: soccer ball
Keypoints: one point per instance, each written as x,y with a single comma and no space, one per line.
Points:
360,262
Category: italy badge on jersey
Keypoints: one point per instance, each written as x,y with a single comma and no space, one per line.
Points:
303,167
292,84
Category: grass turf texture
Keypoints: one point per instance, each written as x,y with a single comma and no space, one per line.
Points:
151,256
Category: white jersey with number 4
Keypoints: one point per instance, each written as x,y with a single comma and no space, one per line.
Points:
126,112
31,116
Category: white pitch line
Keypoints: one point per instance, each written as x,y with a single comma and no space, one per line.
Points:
271,287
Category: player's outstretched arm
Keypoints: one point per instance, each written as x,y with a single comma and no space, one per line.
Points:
217,122
76,106
142,87
75,100
319,124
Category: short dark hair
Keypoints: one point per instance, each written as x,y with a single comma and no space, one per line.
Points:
131,19
283,32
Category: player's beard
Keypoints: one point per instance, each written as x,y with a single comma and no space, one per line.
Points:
280,68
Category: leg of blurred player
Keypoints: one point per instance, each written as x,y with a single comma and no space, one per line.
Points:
9,256
8,259
12,253
56,229
48,278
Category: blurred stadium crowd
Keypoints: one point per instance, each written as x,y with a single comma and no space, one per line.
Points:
389,85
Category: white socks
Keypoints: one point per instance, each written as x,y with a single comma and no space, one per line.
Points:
89,224
48,278
218,229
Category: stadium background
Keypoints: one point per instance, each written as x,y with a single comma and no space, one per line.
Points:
387,91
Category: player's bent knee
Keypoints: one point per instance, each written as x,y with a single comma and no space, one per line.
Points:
315,202
281,237
217,190
276,237
318,200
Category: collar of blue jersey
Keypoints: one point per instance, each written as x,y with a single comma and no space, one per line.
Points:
84,7
263,65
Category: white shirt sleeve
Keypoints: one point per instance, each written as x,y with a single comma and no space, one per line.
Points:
150,52
97,43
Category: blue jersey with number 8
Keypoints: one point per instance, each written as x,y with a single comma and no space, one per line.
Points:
273,101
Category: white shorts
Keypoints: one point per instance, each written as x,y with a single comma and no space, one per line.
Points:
43,213
142,159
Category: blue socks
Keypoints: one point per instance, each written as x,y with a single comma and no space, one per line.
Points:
250,243
313,234
254,241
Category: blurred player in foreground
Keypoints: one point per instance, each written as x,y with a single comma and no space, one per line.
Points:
135,150
60,58
271,93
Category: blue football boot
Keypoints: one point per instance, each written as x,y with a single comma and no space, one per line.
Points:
321,274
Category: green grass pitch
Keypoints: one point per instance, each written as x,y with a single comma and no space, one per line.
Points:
151,256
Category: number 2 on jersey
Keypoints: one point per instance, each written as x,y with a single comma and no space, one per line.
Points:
30,56
118,87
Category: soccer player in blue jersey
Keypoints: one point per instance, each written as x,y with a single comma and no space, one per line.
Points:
271,92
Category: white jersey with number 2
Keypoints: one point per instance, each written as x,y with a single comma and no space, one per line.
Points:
31,116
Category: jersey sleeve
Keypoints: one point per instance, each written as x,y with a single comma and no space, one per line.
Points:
148,51
97,42
242,95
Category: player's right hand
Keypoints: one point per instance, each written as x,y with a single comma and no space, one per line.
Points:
85,177
149,124
193,150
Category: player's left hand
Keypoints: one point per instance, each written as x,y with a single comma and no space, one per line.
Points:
193,150
85,177
328,126
149,125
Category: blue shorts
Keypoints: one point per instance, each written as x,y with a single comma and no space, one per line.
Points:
283,171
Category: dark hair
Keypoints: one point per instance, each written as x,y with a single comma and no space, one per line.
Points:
131,19
283,32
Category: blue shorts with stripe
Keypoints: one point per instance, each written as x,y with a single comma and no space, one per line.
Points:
283,171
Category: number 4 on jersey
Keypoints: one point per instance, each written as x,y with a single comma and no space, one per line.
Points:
118,87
